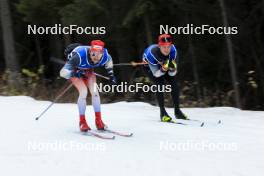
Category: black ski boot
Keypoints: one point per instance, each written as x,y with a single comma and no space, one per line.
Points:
180,115
164,117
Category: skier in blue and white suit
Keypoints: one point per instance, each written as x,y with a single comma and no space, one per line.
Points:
79,69
162,66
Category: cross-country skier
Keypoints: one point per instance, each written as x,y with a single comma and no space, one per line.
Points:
79,69
162,66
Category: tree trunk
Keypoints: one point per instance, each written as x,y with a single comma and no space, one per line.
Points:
194,64
259,68
11,63
38,50
66,37
231,56
148,29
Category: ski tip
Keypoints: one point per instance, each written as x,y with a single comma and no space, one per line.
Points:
202,124
36,118
91,133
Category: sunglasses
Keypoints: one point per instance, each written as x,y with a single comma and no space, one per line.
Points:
95,53
166,39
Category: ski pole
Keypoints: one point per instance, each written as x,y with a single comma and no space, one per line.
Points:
62,93
55,100
131,64
101,76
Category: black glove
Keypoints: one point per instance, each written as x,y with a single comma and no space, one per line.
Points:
112,79
173,65
165,66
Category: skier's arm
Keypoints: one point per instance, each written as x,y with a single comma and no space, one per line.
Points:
150,56
109,68
173,64
156,71
67,70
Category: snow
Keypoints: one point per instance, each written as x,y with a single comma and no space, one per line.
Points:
29,147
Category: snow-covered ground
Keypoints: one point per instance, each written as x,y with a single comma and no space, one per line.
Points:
54,146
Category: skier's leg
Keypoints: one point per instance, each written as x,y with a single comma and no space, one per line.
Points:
175,93
173,81
91,82
159,95
82,89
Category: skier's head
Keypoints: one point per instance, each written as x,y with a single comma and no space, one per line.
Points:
165,42
96,50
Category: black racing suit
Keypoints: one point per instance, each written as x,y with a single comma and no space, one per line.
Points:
161,78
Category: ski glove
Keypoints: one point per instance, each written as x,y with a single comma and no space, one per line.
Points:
165,65
173,66
112,79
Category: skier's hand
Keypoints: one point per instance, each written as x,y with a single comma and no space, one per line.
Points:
165,66
79,74
112,79
173,66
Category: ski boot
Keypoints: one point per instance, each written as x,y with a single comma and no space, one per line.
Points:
165,117
180,115
83,124
98,121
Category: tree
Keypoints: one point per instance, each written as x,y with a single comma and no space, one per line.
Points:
231,56
11,63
